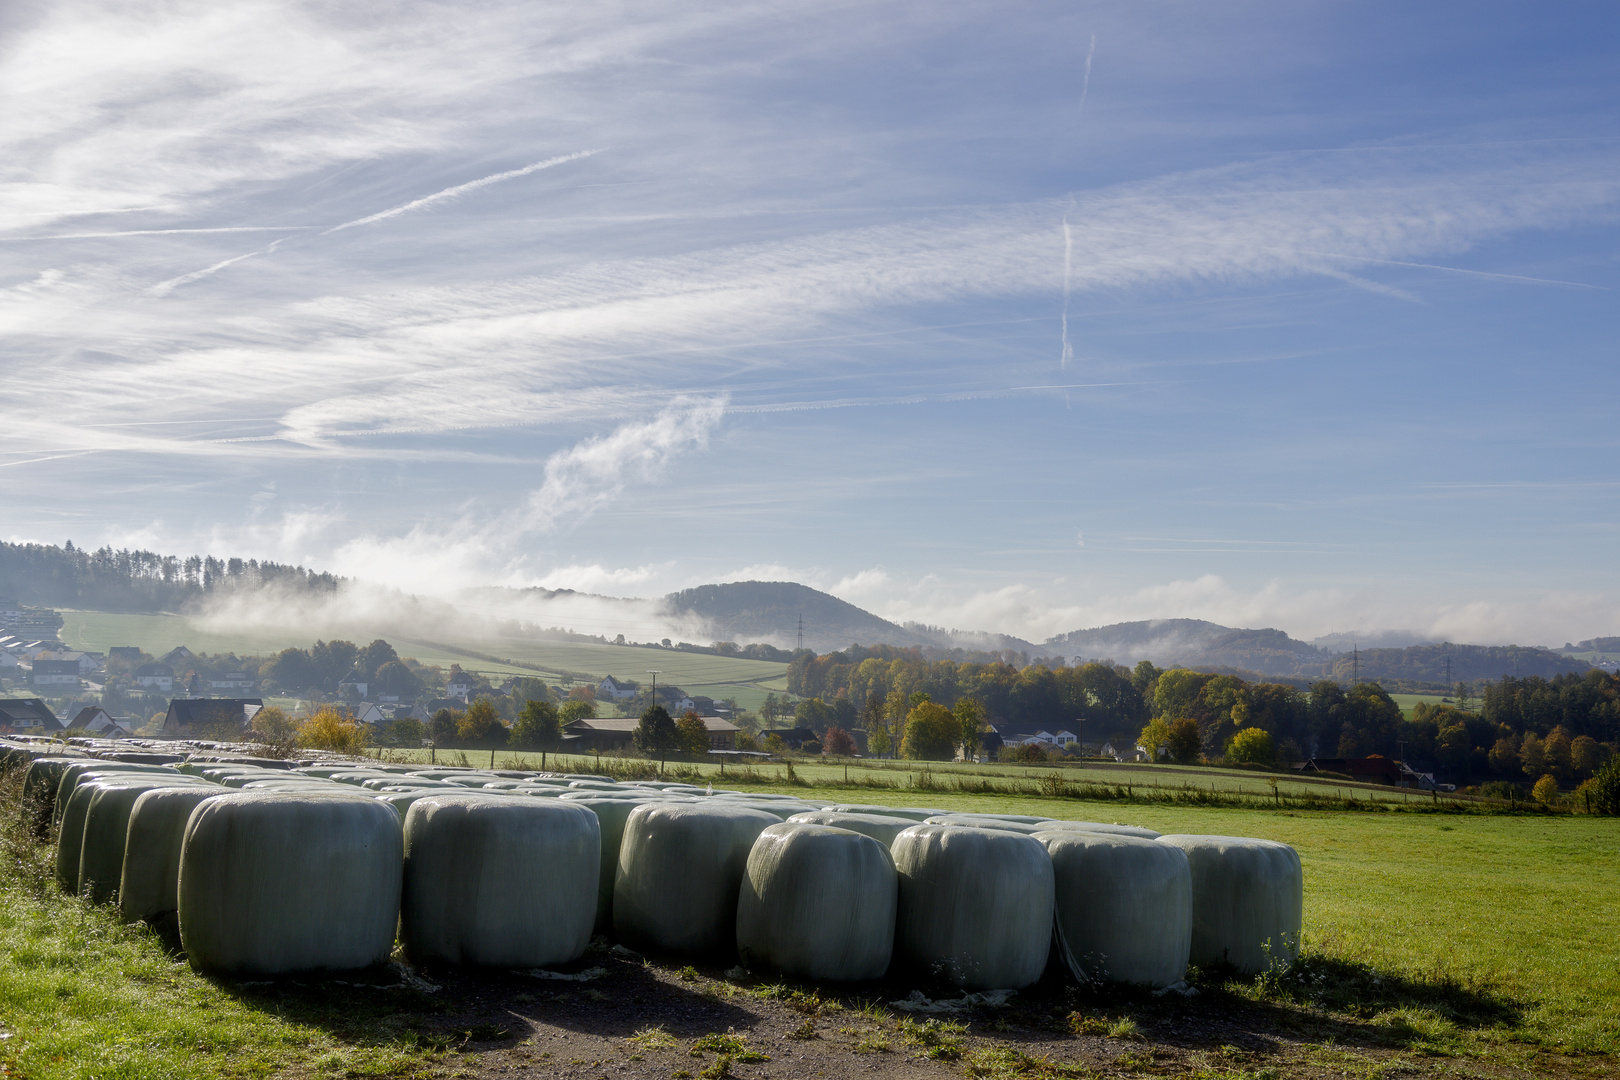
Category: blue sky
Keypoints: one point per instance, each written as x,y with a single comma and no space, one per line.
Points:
1009,316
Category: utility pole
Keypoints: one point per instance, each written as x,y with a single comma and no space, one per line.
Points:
800,646
1355,665
1448,671
654,675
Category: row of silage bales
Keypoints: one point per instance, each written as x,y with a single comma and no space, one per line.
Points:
283,881
494,880
984,821
148,889
817,902
1248,900
74,794
106,829
879,827
679,872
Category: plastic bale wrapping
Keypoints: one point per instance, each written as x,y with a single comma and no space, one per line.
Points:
680,867
879,827
149,884
1095,827
916,814
39,791
106,830
611,815
1248,900
70,835
817,903
498,882
975,905
279,883
93,767
1123,907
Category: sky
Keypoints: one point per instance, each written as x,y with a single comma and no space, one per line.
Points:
1020,317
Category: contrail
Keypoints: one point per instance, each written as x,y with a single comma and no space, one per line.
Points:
1068,271
1085,83
158,232
460,189
164,288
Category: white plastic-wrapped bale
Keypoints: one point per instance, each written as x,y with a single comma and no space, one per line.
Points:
781,811
1095,827
149,882
106,828
915,813
289,882
498,882
975,905
680,866
39,790
879,827
612,812
70,834
817,903
964,818
1248,900
72,774
1123,907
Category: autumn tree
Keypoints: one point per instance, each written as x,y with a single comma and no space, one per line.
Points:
1251,746
537,728
481,725
331,730
932,733
693,736
838,743
578,709
1184,741
1155,737
656,734
969,715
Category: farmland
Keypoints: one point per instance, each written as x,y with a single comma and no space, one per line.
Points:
748,681
1436,942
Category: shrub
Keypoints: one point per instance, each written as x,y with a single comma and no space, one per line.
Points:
692,736
931,733
332,730
838,743
1546,789
1603,790
274,727
1251,746
1184,741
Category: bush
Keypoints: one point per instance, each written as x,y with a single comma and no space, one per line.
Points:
838,743
1251,746
1184,741
332,730
1546,789
931,733
1603,790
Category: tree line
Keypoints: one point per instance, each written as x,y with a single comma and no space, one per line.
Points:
124,580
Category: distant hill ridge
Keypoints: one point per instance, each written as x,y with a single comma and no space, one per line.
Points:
770,612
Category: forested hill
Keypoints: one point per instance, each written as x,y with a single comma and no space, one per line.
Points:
108,580
770,611
1468,663
1194,643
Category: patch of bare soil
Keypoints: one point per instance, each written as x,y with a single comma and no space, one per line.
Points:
636,1018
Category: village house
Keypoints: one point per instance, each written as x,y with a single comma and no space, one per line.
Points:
611,689
54,676
189,717
155,676
27,716
94,720
615,734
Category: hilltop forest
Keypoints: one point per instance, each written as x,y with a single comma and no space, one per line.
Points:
123,580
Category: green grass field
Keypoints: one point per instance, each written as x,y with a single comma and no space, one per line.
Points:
1463,941
1408,702
748,681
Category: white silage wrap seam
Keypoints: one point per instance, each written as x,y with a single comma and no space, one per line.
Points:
70,779
1123,907
817,903
1050,825
918,814
880,828
1248,900
498,882
283,882
106,829
70,834
150,880
975,905
611,814
680,867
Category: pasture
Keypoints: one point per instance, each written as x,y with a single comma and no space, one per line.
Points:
497,656
1446,943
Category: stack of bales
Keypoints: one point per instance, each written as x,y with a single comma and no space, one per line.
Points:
265,869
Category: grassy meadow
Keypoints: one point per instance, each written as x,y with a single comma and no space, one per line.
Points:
748,681
1453,938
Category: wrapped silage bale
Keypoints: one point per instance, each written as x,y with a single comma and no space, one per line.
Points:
1248,900
1094,827
963,817
915,813
39,790
284,882
70,834
879,827
975,905
149,882
1123,907
71,775
498,882
817,903
611,812
680,866
106,828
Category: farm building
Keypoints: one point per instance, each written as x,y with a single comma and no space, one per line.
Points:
614,734
94,720
610,689
54,675
190,717
27,716
159,677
